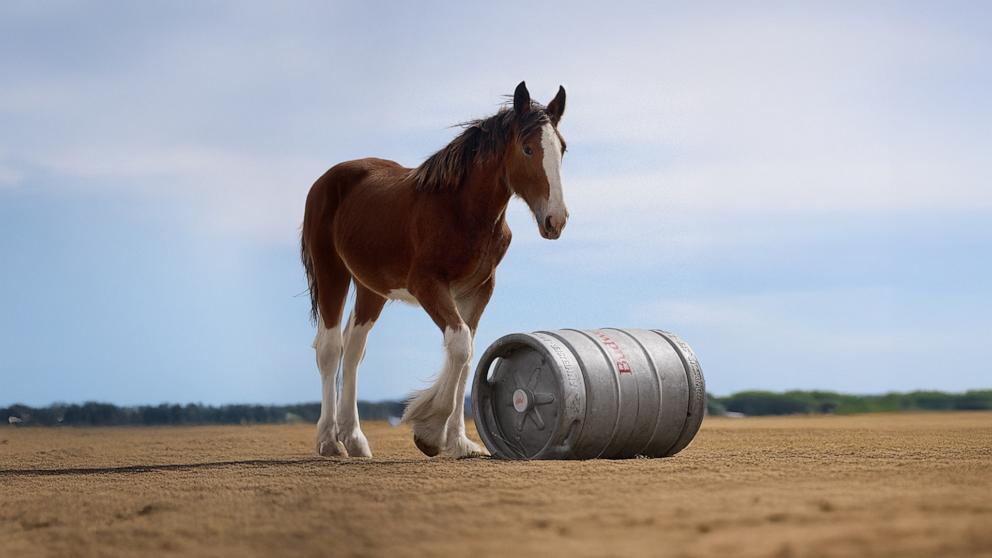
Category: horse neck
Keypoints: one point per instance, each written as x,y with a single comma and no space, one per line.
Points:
484,195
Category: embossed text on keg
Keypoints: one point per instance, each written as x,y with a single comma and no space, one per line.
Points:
623,366
566,360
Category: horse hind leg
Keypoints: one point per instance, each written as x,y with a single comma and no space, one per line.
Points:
332,279
368,305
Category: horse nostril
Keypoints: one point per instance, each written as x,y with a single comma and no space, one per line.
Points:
547,223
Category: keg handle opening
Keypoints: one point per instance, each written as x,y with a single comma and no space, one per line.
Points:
491,369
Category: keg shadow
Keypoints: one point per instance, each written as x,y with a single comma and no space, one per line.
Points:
169,467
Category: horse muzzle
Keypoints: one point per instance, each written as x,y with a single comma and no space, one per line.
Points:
551,225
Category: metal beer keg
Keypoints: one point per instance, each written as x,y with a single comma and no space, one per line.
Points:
583,394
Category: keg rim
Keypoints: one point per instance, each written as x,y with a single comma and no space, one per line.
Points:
483,415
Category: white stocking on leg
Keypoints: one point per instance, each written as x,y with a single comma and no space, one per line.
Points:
327,345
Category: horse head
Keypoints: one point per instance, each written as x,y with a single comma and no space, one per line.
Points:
533,160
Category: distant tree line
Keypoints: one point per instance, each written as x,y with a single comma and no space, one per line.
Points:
751,403
107,414
828,402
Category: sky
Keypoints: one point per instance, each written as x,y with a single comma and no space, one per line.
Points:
802,191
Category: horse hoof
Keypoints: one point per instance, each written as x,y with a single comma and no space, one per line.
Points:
357,445
425,448
331,449
466,449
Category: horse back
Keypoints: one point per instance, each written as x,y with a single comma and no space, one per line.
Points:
366,208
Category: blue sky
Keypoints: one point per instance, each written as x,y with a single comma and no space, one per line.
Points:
804,193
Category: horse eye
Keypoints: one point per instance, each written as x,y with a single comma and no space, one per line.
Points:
528,151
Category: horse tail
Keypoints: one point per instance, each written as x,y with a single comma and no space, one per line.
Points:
307,260
318,216
327,276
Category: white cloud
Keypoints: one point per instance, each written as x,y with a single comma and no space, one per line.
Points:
704,114
229,191
846,339
9,177
763,116
817,321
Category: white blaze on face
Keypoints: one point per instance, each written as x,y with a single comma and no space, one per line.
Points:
552,169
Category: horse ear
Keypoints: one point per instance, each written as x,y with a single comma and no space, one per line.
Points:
556,107
521,99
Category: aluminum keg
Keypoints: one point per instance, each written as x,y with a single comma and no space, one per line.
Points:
583,394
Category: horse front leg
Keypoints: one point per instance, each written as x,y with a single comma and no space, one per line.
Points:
430,410
470,307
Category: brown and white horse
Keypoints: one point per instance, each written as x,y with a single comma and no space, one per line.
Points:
432,235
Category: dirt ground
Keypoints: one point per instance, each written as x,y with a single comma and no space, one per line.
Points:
883,485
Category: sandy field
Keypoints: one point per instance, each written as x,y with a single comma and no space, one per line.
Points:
873,485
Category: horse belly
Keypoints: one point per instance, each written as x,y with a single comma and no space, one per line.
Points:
371,234
402,295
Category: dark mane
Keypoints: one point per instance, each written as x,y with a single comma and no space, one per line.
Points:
482,140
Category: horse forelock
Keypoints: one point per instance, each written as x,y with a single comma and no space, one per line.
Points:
481,140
